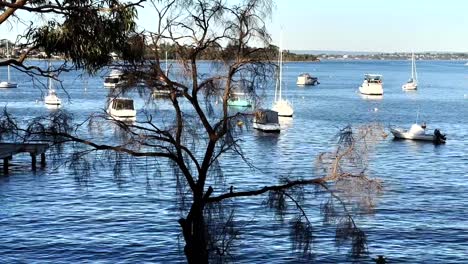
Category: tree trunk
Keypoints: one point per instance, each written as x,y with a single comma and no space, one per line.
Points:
193,229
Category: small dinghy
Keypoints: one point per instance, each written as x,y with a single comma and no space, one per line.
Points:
418,132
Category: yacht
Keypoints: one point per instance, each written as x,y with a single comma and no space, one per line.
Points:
280,105
372,85
306,79
114,79
51,99
122,109
8,83
412,83
266,120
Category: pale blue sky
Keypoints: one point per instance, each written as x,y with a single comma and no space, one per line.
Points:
360,25
372,25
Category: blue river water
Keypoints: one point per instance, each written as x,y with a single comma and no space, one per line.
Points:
420,217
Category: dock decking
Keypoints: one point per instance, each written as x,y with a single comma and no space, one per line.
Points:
8,150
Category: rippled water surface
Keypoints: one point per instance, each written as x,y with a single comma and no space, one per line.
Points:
421,217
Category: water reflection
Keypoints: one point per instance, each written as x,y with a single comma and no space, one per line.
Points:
371,97
52,107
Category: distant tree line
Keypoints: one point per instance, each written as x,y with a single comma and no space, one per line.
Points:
216,52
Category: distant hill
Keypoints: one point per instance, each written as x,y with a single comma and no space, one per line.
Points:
341,52
333,52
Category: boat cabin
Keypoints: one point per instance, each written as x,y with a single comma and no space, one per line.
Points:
373,78
122,104
266,120
122,109
266,116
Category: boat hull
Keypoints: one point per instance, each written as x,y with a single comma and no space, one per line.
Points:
239,103
8,85
371,89
409,86
269,127
307,82
52,99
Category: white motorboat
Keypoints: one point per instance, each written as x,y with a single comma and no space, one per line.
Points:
51,99
114,79
372,85
412,83
164,91
8,83
122,109
306,79
418,132
267,121
280,105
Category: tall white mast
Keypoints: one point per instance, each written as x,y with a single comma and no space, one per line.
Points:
277,77
167,69
49,81
8,57
281,68
412,66
415,72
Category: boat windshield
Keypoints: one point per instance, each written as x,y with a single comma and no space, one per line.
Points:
123,104
112,80
371,78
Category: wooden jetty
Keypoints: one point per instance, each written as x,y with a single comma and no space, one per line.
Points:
8,150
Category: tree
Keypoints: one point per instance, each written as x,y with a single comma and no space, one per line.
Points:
85,32
198,137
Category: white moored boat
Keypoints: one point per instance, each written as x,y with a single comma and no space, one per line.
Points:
8,83
418,132
51,99
372,85
122,109
267,121
114,79
280,105
412,83
306,79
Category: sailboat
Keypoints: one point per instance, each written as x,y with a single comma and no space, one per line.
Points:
412,83
280,105
163,90
8,83
51,99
